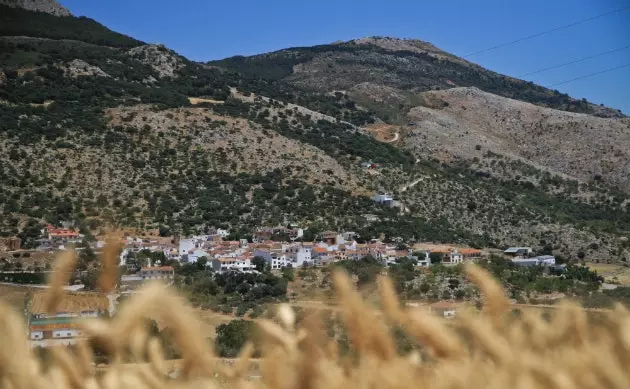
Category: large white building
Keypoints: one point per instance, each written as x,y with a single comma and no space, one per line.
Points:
240,263
543,260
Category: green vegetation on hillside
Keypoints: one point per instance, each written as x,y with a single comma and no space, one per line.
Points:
20,22
554,198
61,158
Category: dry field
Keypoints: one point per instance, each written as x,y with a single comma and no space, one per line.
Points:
14,295
211,320
40,258
612,272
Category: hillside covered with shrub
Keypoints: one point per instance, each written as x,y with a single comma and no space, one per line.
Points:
102,130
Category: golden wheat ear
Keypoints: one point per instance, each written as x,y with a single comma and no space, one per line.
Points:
367,332
109,263
495,302
423,326
60,277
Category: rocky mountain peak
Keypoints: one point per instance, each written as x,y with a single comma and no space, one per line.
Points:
397,44
47,6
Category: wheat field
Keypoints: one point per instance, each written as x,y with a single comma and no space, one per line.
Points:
488,349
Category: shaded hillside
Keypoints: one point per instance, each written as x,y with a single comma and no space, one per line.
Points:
22,22
362,67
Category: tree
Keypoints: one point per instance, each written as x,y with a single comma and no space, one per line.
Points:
453,283
232,336
202,262
287,273
260,263
164,231
436,257
90,279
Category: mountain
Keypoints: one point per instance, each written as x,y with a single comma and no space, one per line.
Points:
18,21
467,123
386,74
101,129
45,6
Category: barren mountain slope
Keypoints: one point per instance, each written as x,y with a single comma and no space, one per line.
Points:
406,66
466,122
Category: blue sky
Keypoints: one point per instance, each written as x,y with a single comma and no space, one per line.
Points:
204,30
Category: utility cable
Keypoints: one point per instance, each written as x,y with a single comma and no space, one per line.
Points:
589,75
574,61
546,32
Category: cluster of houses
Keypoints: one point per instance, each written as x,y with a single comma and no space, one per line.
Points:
60,328
225,255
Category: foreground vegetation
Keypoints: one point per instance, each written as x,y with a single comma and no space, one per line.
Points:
490,348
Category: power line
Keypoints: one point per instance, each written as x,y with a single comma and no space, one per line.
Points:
589,75
574,61
546,32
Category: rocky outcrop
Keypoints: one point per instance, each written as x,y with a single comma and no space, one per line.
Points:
46,6
77,67
164,61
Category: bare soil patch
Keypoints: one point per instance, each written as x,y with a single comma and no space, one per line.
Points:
384,132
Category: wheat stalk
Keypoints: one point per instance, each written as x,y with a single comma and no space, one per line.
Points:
489,349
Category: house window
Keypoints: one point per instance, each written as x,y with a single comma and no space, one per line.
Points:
68,334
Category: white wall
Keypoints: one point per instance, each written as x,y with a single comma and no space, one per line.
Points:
66,333
186,245
303,256
37,335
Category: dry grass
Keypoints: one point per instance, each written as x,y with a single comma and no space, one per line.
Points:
69,302
14,295
612,272
488,349
210,320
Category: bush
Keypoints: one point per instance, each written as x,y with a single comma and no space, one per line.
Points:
232,336
287,274
242,309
